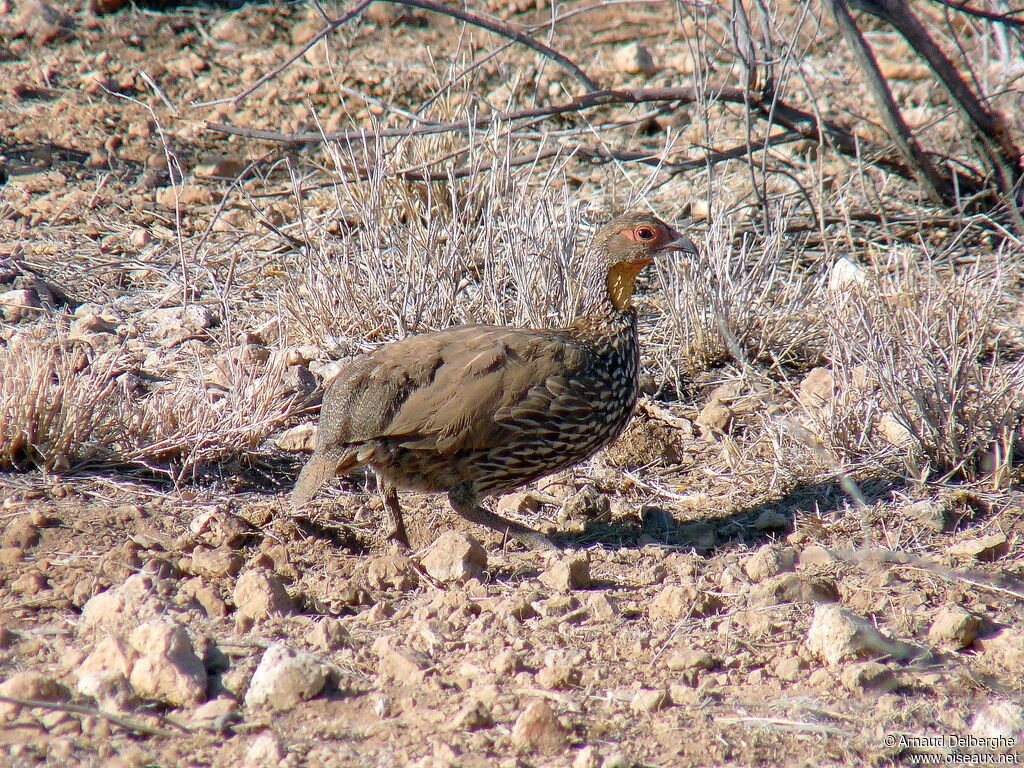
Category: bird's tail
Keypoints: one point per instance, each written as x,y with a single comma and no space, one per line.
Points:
321,467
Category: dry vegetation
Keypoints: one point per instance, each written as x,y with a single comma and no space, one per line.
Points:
834,393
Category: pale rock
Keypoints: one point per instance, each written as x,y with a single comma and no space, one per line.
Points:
999,719
953,627
537,728
329,634
168,669
301,437
845,275
30,685
634,59
284,678
988,548
110,659
837,636
259,594
770,560
568,573
817,387
455,557
19,304
650,700
264,751
867,676
674,601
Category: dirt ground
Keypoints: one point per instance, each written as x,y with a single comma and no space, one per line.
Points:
700,614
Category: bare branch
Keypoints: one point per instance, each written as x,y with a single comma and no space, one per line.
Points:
937,188
505,31
997,18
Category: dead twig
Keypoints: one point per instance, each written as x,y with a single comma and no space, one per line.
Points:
937,188
77,709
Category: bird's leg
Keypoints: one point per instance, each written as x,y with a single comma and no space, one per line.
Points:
466,503
393,513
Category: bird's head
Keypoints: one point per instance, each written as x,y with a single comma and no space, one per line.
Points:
629,243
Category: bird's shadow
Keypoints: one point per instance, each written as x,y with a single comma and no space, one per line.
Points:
748,526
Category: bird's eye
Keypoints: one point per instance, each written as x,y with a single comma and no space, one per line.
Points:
645,234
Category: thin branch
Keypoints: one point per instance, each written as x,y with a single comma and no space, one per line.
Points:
77,709
505,31
992,135
998,18
771,110
937,188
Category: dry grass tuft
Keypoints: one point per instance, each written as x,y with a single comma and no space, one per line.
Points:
63,406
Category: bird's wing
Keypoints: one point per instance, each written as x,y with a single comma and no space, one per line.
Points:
462,389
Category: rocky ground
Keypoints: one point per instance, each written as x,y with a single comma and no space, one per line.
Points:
721,598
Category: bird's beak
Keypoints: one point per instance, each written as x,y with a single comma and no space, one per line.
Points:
681,242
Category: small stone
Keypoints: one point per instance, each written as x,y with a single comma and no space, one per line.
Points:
634,59
403,666
837,635
284,678
792,588
674,602
219,166
392,572
329,634
953,627
931,513
538,729
1001,719
264,751
602,607
816,555
845,275
30,685
683,659
472,716
20,533
216,563
867,676
31,583
650,700
168,669
986,548
259,594
588,757
894,432
568,573
20,304
817,387
218,528
770,560
301,437
455,557
215,714
123,607
558,676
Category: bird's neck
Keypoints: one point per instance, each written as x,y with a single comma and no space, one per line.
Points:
607,317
